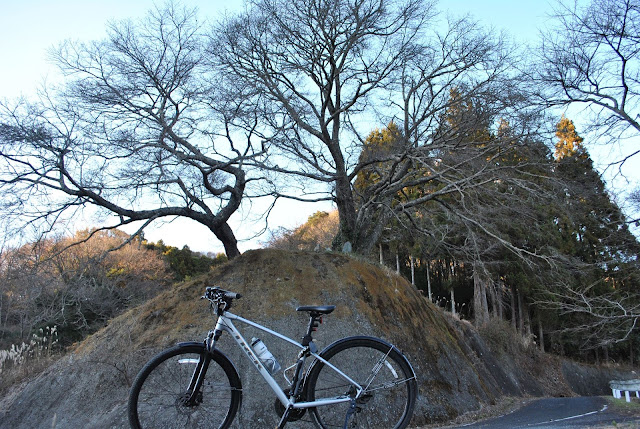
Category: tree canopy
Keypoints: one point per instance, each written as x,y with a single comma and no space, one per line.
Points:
320,71
136,131
168,118
590,57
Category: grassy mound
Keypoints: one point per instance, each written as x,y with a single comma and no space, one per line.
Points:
457,372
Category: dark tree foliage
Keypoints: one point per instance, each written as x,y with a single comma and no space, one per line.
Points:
184,263
598,290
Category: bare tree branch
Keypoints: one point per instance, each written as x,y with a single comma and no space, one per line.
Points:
134,132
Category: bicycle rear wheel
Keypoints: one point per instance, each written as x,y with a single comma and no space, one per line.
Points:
158,397
389,382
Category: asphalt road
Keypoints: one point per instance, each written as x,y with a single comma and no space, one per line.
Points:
560,413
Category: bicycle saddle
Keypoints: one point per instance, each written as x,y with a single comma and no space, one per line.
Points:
321,309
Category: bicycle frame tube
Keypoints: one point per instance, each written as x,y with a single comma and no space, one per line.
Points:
225,323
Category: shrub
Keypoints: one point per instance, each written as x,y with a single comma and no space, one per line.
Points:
21,360
502,338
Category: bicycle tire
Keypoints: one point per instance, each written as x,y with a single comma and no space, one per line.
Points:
390,397
156,399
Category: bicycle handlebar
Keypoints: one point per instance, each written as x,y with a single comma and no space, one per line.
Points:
214,292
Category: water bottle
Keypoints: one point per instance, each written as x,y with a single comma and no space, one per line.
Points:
265,356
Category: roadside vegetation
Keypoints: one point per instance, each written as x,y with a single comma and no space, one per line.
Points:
56,292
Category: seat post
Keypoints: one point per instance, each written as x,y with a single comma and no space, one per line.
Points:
315,319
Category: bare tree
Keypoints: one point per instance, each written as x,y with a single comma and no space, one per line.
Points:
598,319
137,131
591,57
325,73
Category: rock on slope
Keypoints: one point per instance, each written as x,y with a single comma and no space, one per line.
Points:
456,370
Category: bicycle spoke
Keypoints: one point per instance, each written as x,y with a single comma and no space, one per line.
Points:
376,369
389,386
160,392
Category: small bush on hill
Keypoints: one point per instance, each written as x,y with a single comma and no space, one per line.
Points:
503,339
316,234
185,263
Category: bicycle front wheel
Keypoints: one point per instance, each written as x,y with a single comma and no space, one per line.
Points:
162,393
388,380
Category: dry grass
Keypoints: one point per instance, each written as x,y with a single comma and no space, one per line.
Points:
370,300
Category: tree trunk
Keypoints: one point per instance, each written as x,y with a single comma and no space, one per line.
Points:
381,254
224,233
413,270
493,299
397,263
513,308
369,233
480,306
499,295
526,318
540,333
520,313
346,211
453,302
429,282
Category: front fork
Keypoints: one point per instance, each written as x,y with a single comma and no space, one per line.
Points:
193,397
214,335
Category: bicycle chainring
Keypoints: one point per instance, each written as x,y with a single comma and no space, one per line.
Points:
294,415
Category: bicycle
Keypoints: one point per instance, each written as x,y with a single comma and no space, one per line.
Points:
354,382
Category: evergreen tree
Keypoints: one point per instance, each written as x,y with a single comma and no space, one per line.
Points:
569,142
600,251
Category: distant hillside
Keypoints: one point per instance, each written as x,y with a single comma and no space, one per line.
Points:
457,370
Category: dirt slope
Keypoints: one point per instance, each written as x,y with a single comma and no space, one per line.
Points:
457,372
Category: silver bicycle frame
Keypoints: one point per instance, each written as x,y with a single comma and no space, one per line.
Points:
225,324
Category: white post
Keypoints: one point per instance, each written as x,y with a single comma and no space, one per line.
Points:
413,271
453,302
429,282
626,395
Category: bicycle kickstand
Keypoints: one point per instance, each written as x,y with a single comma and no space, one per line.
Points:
350,412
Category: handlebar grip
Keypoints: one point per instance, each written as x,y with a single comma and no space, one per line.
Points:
232,295
225,293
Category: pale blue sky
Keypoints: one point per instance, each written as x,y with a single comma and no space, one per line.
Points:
29,27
